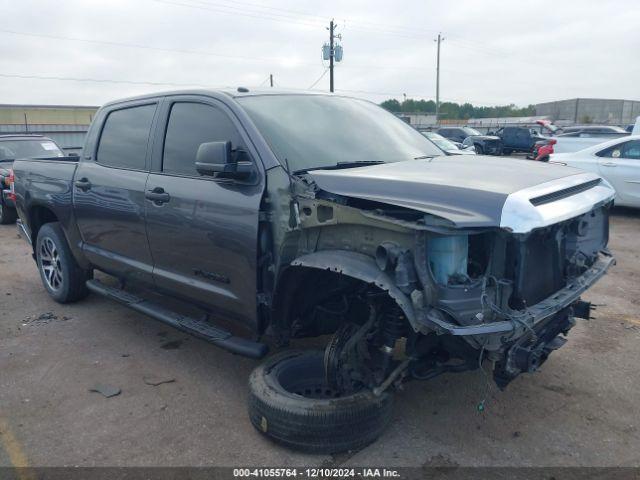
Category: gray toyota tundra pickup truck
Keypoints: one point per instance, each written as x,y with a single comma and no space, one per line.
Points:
291,215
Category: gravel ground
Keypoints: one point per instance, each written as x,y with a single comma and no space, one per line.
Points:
582,408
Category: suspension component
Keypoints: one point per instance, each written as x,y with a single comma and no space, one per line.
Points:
393,327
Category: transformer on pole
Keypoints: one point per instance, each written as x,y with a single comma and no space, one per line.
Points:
332,52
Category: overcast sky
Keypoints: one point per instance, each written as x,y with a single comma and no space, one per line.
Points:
494,52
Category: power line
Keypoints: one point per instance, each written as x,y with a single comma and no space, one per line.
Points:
145,47
282,17
175,84
110,43
319,78
100,80
224,9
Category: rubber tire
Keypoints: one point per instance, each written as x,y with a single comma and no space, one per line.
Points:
479,149
322,426
74,277
507,152
7,214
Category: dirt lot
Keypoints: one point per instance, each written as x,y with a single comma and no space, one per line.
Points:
582,408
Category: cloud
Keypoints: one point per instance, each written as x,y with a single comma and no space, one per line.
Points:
495,52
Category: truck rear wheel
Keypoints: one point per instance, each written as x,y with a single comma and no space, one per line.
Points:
291,403
7,214
61,275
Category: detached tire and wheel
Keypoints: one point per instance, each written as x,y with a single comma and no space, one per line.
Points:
61,275
290,402
7,214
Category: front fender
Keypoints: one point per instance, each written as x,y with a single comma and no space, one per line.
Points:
361,267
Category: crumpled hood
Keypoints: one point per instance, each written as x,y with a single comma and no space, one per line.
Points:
470,191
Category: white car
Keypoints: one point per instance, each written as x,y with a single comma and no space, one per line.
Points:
618,161
449,147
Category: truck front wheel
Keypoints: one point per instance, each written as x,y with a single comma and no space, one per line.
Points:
291,403
61,275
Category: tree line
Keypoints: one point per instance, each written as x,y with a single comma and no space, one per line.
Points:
456,111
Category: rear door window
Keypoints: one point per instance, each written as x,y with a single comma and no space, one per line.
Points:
631,150
125,137
190,125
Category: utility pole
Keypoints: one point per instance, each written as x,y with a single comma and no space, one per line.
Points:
271,79
332,52
331,55
439,40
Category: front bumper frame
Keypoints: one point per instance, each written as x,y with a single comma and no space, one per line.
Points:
527,319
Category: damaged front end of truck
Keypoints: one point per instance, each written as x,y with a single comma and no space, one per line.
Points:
414,280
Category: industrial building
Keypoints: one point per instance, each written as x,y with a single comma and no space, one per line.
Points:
418,120
590,110
66,124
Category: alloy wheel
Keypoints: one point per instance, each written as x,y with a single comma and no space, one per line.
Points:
50,264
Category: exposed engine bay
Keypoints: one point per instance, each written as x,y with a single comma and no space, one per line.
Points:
406,294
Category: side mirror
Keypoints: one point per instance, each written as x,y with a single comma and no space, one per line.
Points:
216,159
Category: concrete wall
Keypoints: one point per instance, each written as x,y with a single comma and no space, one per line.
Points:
418,119
593,110
46,114
66,124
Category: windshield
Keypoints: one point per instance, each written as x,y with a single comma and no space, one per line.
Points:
471,131
316,131
41,148
440,141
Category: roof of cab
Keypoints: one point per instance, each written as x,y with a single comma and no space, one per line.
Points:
218,92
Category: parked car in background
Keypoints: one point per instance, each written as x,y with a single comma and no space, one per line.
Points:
7,200
11,148
542,150
470,137
449,147
575,142
595,130
518,139
618,161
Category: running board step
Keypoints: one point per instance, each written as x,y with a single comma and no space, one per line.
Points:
198,328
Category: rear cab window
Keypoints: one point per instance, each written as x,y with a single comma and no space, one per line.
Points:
125,137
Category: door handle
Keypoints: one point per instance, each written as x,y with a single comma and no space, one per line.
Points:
157,195
83,184
609,164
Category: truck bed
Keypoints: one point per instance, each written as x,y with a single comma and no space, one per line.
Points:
46,183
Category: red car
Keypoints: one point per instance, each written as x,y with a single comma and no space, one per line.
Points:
543,149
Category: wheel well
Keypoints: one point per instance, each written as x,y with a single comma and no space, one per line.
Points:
310,302
38,216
